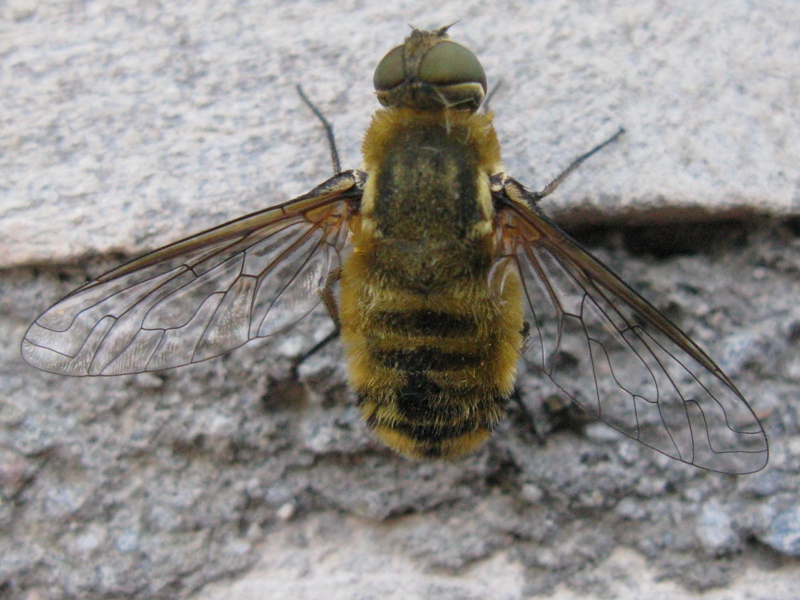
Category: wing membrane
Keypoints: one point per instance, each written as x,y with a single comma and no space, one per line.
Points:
614,354
202,296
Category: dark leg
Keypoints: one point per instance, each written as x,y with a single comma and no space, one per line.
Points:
313,350
527,417
337,166
550,187
329,300
565,415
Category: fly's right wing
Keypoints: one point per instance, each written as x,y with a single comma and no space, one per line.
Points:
611,352
202,296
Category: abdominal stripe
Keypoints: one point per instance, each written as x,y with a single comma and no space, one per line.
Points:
421,403
426,323
423,425
421,359
437,432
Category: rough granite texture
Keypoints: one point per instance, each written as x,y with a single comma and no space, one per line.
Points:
126,126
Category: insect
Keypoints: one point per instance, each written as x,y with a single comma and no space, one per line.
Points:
449,273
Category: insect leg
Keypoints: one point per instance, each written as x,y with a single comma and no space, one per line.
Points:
329,300
337,166
329,297
525,331
527,416
313,350
550,187
564,415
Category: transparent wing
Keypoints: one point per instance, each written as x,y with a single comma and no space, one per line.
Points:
615,355
202,296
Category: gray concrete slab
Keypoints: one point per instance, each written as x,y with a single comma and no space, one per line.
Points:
125,127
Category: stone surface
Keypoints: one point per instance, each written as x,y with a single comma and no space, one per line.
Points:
123,128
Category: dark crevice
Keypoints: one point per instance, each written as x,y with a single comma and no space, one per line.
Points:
792,224
663,240
644,233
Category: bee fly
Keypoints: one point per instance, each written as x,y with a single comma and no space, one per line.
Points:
453,274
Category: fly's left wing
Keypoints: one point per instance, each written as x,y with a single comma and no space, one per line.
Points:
202,296
610,351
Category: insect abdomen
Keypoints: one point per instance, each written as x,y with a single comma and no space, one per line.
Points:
432,378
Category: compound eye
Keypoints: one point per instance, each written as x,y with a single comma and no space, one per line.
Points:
390,71
448,63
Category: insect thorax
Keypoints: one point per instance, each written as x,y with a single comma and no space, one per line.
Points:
427,204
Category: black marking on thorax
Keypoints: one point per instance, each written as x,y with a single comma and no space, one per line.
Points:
427,184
